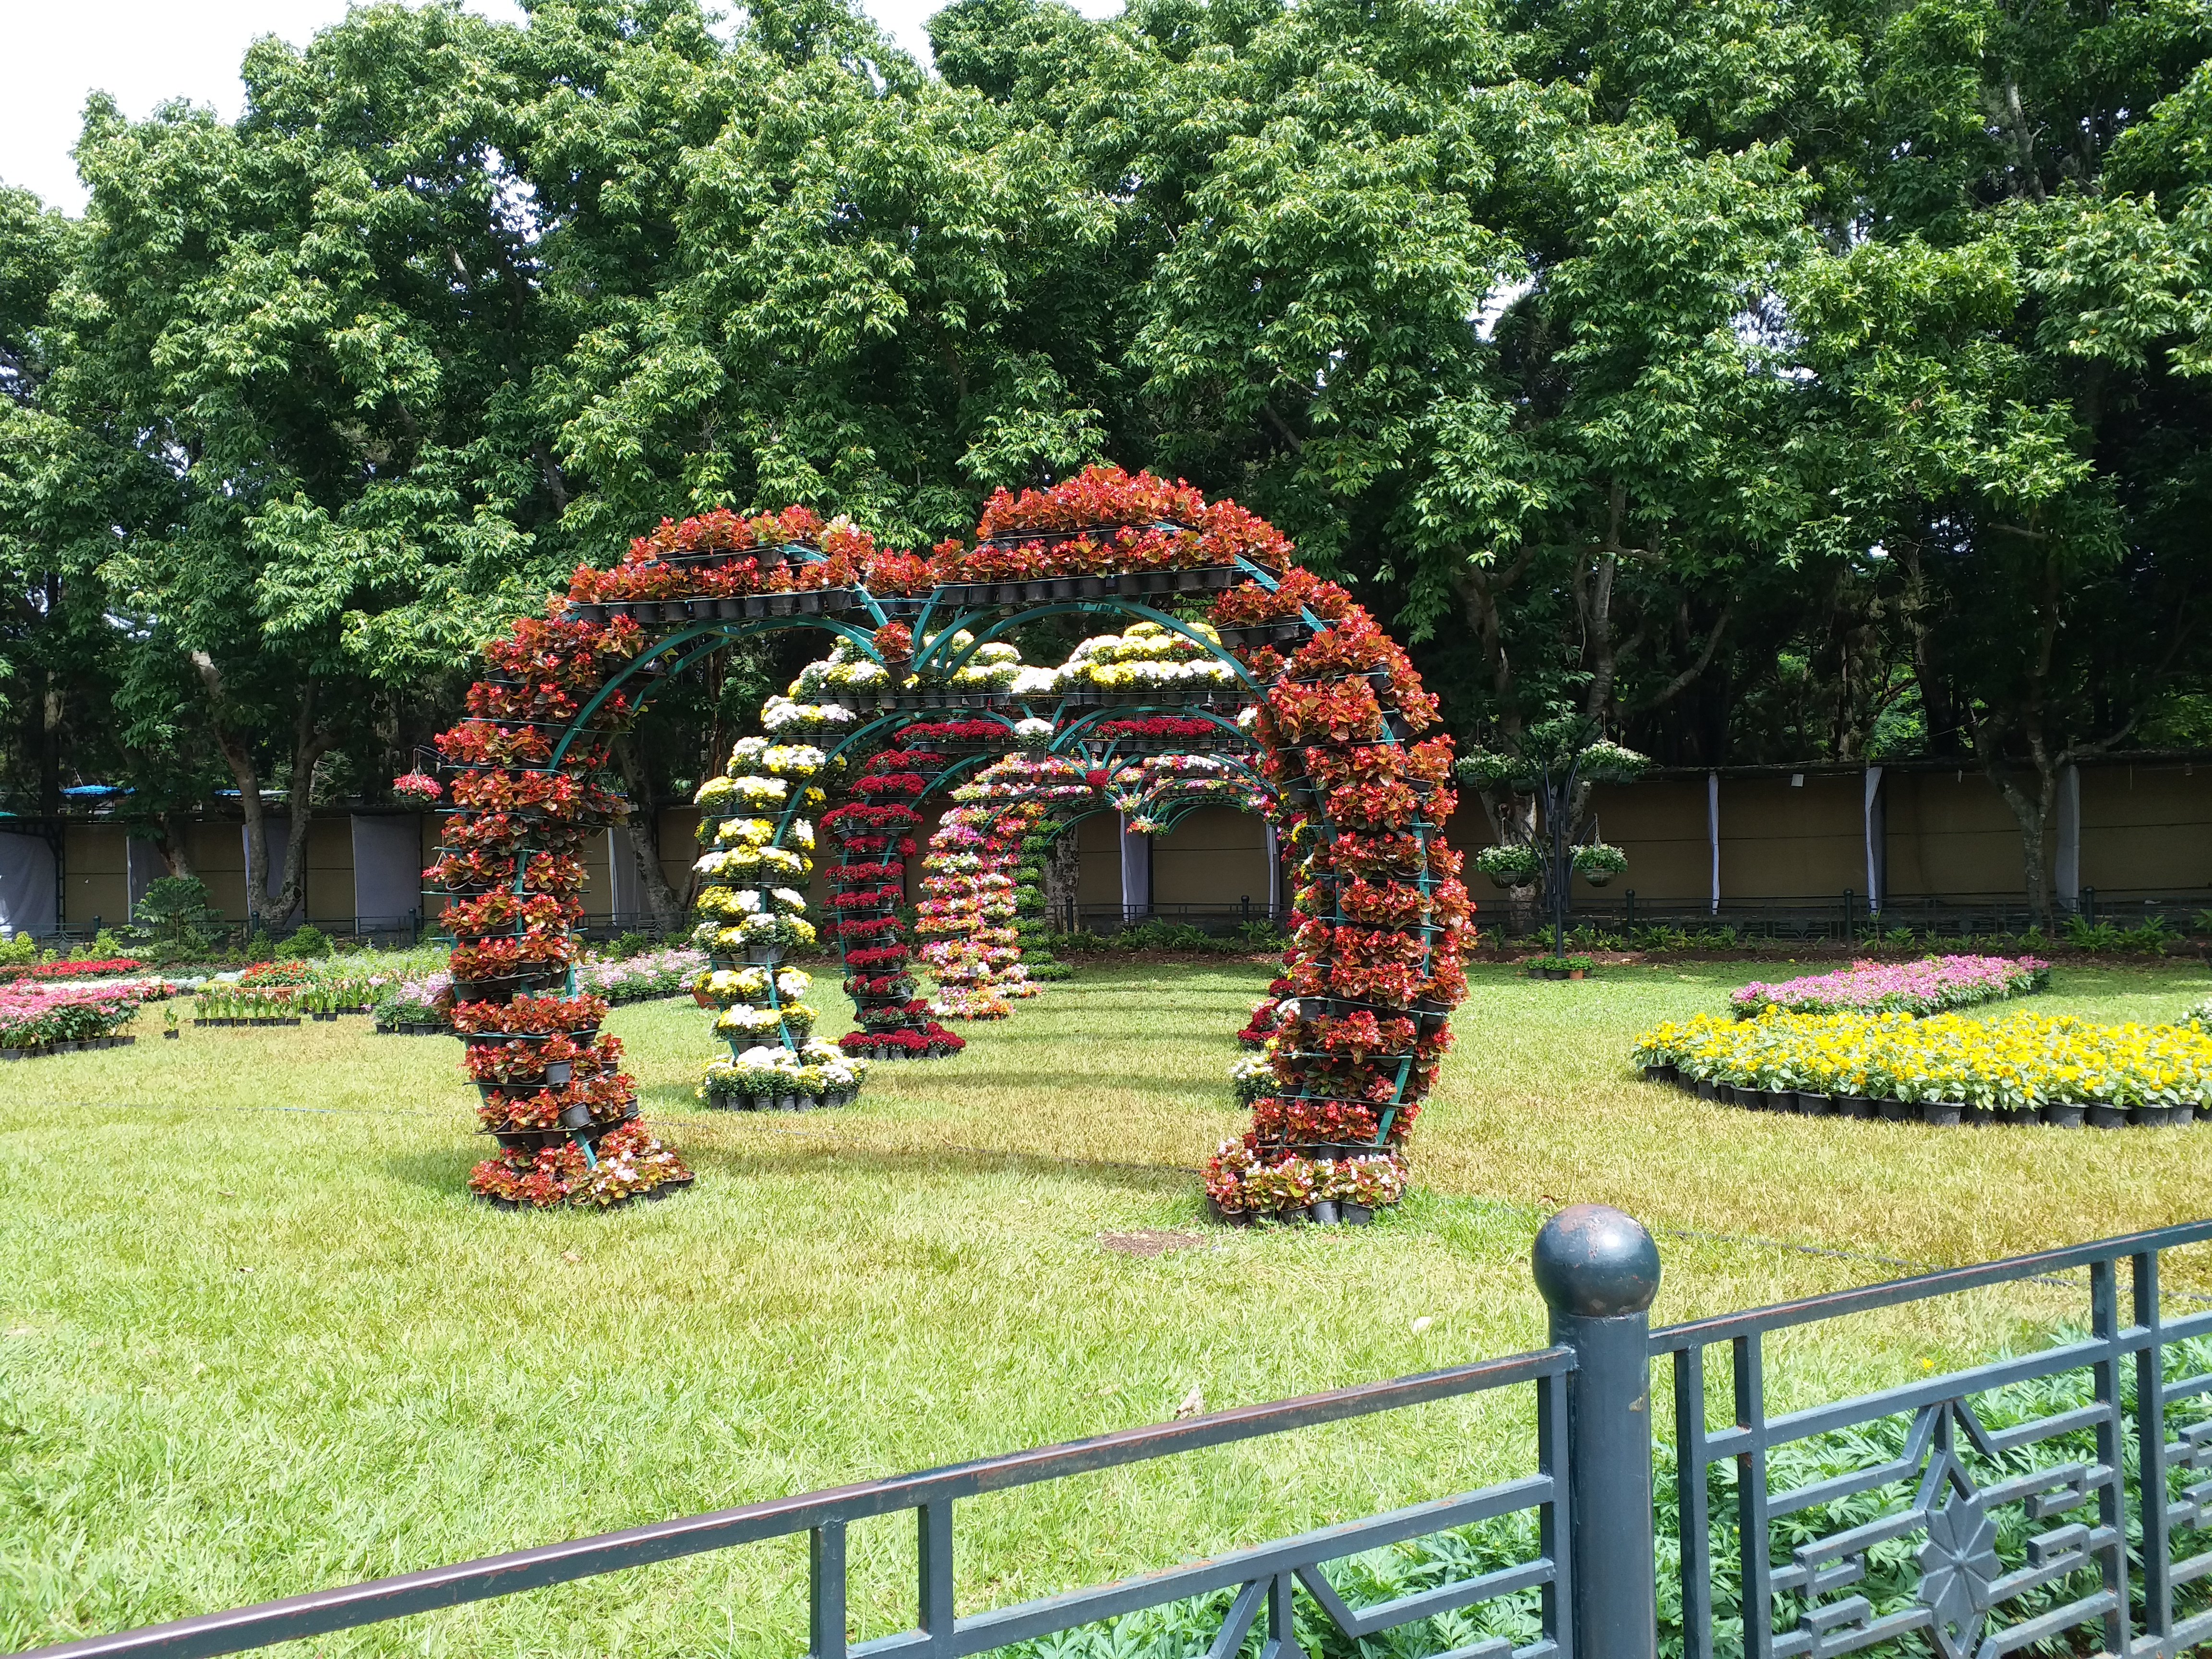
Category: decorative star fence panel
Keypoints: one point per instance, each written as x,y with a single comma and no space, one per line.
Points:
2099,1503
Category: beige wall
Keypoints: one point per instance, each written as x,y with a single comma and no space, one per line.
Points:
1951,834
1216,856
2147,826
1098,850
1780,840
95,875
1660,825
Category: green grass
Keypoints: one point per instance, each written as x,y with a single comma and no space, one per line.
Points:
255,1340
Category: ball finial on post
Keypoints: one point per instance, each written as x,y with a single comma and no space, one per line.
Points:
1593,1261
1598,1270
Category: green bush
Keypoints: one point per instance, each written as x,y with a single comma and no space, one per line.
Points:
308,941
20,951
175,920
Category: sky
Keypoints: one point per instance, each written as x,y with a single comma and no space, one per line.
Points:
144,52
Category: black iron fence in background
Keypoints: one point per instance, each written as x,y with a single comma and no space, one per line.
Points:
2061,1497
1846,917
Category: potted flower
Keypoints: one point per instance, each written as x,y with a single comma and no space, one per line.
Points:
1509,864
1600,863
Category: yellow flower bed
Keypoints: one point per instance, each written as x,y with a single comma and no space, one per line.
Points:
2022,1061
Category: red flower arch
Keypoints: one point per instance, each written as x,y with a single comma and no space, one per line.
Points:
1373,968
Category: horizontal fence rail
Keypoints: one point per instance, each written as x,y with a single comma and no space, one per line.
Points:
1846,917
1993,1577
1264,1575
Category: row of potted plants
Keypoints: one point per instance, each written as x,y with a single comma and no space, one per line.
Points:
509,861
966,919
1940,1066
772,1077
1356,1024
625,1164
40,1018
1244,1188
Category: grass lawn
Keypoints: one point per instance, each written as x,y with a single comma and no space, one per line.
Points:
256,1340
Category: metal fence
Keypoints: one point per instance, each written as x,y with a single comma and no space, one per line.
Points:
1846,917
2057,1527
1072,917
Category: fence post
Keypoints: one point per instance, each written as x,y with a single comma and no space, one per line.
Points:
1598,1270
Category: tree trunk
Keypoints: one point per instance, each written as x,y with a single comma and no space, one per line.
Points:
642,830
2032,814
310,742
169,837
1063,870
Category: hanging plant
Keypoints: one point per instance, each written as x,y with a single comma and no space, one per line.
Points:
1600,863
1515,864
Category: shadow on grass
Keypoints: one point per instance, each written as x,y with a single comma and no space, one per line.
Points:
799,1152
438,1168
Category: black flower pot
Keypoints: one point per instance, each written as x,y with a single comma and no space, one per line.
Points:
2063,1115
1941,1113
2108,1117
1324,1211
578,1116
1856,1106
558,1073
1355,1215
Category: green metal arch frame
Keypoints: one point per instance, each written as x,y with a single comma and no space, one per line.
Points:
722,632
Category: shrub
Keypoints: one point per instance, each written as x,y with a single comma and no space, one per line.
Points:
175,920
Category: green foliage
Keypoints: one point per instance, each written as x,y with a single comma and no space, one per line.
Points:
1749,383
2149,939
309,941
106,945
21,950
175,920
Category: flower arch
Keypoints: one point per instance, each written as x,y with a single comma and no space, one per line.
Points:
1331,703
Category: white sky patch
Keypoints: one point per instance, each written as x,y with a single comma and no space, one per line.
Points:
1497,303
147,52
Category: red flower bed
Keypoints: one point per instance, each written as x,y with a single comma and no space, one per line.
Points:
1158,726
75,968
950,732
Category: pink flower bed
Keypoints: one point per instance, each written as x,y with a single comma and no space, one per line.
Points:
35,1016
1933,986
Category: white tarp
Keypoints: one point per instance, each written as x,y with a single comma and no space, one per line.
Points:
387,869
30,899
145,865
1136,873
625,882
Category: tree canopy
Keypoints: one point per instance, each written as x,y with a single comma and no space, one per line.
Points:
1824,378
